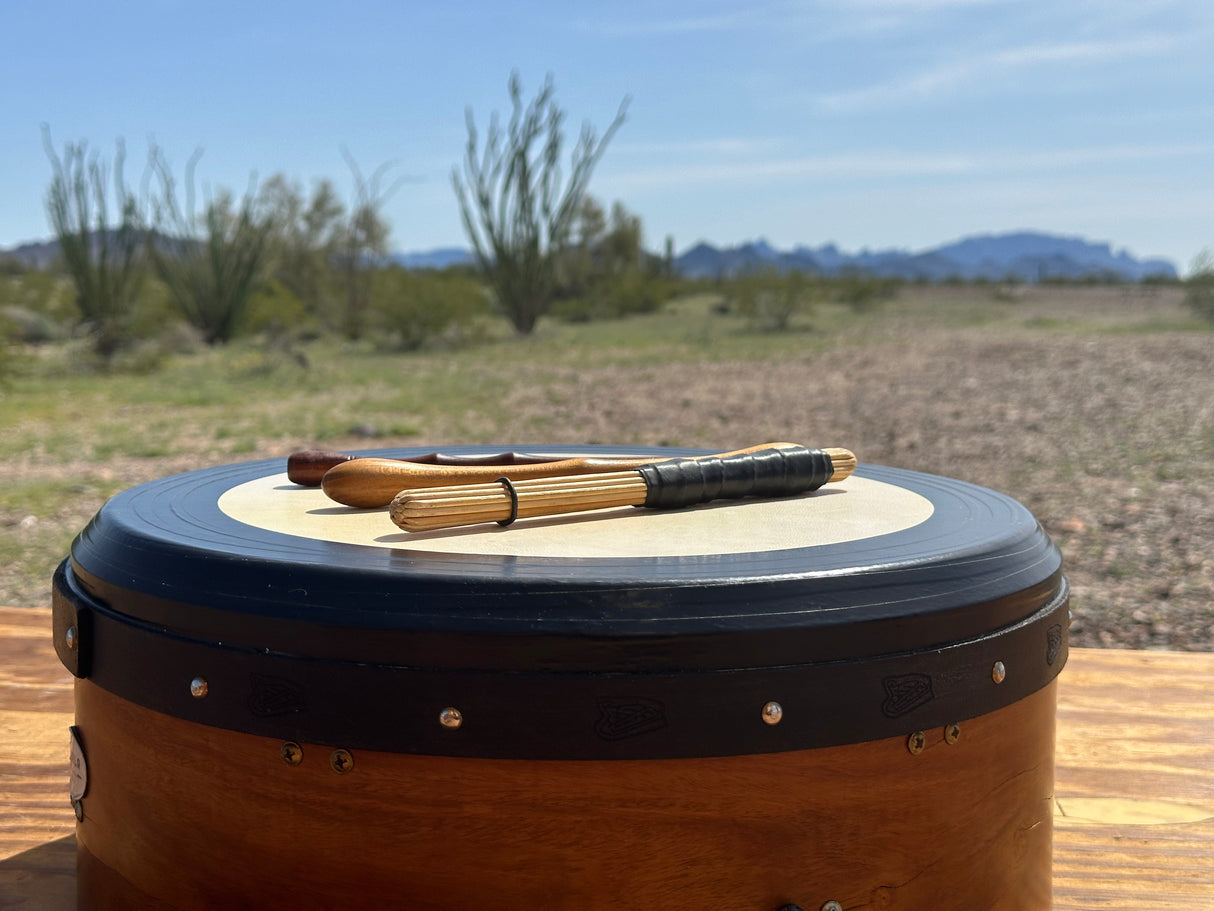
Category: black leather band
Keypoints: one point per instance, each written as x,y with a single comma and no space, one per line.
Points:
770,473
535,714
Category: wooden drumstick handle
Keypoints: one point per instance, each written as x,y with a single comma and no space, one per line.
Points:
308,466
668,484
370,483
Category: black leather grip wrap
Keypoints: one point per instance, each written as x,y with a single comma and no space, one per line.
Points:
769,473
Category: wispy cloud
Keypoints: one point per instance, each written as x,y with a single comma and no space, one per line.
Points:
616,28
723,146
892,165
915,6
950,77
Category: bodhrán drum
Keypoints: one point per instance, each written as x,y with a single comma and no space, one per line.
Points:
844,696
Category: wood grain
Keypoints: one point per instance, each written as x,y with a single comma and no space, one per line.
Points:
1135,741
37,843
194,815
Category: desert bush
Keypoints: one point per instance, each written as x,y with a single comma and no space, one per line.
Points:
610,298
44,293
140,358
414,308
10,353
516,202
863,293
1199,286
770,299
103,258
22,324
274,308
211,262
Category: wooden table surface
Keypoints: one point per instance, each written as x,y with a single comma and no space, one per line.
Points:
1134,827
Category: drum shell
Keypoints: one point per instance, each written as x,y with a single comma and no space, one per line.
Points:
181,815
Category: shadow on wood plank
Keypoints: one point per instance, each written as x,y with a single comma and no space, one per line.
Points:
40,879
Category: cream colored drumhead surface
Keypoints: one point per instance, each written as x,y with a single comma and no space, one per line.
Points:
851,510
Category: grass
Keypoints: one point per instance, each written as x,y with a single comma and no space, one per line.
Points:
228,401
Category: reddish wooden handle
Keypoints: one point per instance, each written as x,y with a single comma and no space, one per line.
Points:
308,466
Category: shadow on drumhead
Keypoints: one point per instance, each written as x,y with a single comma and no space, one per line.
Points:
570,519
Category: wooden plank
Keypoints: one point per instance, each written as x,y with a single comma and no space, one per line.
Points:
1134,781
1134,777
37,826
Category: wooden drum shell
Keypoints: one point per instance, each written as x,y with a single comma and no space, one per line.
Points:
182,815
258,704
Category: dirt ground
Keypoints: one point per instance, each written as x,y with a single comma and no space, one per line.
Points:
1108,442
1108,437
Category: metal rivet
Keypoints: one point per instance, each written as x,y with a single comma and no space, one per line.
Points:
916,742
832,906
341,761
199,687
71,638
998,672
952,733
773,713
292,753
451,718
78,806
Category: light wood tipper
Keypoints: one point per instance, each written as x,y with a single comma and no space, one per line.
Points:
841,699
659,485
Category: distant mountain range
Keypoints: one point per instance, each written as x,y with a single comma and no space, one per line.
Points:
33,255
434,259
1027,256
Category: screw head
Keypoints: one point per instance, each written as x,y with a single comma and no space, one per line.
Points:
341,761
916,743
292,753
773,713
71,638
199,687
831,906
451,718
952,733
999,672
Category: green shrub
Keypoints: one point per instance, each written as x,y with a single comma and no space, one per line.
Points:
22,324
413,309
10,352
864,293
104,257
274,308
770,299
46,294
622,295
1199,286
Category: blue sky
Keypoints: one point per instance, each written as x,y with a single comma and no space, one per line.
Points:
873,123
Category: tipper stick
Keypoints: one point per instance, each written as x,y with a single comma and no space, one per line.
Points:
667,484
